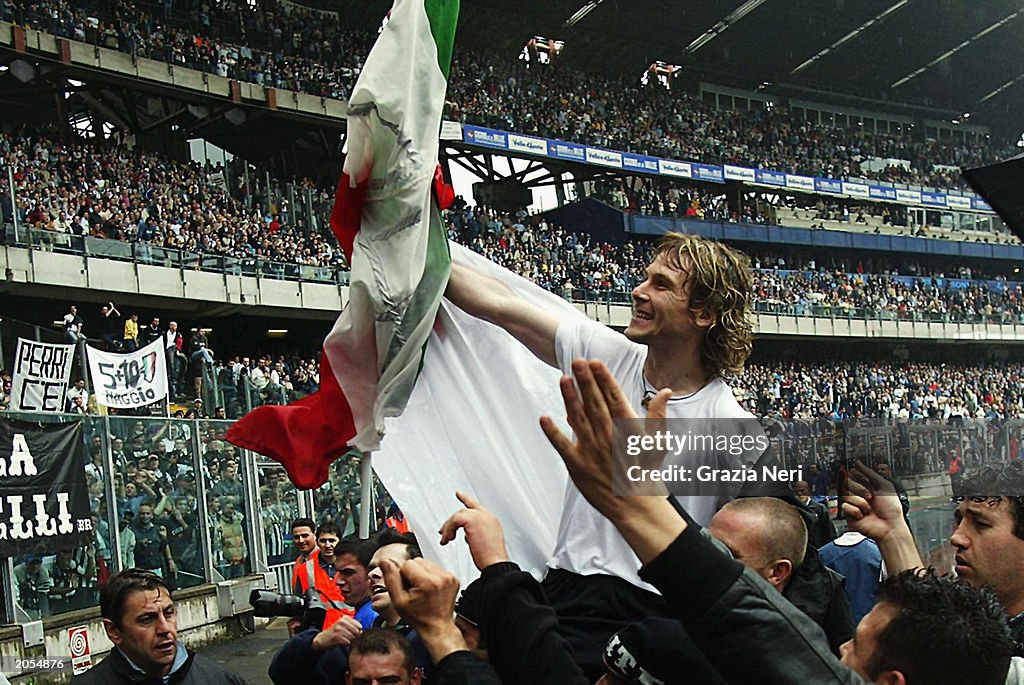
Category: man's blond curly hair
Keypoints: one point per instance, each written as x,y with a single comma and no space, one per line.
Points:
721,286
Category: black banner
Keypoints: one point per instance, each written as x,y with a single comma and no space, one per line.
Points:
44,498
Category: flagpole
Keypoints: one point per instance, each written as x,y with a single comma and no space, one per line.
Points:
366,494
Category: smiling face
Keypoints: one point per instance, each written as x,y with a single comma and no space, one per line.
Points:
988,552
304,539
148,631
661,304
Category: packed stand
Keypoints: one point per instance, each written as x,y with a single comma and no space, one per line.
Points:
277,45
205,384
100,189
284,46
663,198
933,410
568,263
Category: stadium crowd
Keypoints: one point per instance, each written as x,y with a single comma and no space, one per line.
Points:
282,45
574,264
74,188
765,549
67,191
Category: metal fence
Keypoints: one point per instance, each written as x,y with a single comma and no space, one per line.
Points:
910,448
221,512
147,253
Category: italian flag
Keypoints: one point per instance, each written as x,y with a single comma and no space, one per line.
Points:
387,218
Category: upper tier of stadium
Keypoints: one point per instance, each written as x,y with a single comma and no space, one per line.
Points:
283,46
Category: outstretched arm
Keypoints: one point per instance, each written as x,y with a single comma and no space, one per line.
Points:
491,300
518,627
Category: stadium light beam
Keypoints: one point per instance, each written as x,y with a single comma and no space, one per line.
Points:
850,36
1000,89
949,53
582,12
723,26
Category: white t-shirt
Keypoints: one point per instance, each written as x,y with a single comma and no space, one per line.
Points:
587,542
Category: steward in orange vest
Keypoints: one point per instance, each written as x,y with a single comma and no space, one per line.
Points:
309,572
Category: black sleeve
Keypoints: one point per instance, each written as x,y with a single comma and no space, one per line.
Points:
464,668
838,624
520,630
297,663
745,627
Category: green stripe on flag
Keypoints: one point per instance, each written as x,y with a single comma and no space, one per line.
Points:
443,15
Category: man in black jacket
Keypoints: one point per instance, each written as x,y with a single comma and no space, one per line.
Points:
141,620
769,535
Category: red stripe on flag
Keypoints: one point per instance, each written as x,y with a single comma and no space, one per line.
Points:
444,194
305,436
346,216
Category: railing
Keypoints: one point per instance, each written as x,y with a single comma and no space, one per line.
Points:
810,309
911,448
147,253
222,512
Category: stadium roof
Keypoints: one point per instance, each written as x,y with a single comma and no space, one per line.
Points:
952,55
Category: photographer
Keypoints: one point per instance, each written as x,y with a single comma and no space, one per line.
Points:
321,657
314,656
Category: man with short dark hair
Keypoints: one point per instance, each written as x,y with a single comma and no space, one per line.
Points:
382,656
327,538
988,538
304,539
353,580
397,547
142,622
152,332
73,325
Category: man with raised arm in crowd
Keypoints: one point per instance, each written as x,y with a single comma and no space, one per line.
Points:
690,325
988,539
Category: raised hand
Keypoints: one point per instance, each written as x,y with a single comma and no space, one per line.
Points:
340,634
872,507
874,510
591,413
483,531
424,595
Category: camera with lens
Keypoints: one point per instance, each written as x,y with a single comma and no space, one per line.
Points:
309,607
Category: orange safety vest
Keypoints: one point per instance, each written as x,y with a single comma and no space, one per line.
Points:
402,526
311,574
